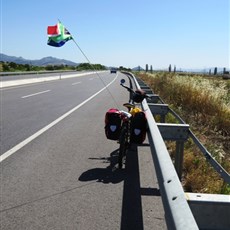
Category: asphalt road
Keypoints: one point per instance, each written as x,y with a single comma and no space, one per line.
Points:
61,171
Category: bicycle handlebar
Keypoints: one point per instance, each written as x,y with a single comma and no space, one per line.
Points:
138,95
134,92
128,88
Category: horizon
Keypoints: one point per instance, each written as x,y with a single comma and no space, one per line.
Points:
205,69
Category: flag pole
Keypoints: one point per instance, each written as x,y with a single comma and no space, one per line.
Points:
90,64
81,51
78,47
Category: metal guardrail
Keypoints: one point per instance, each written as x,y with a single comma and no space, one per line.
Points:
182,129
222,172
33,72
191,210
178,214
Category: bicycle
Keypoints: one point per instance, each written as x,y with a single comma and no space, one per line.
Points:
125,135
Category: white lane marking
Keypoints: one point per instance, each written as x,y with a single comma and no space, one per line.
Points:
34,94
41,131
75,83
91,78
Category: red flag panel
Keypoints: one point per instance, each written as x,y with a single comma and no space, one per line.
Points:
53,30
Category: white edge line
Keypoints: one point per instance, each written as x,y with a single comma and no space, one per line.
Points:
38,133
30,95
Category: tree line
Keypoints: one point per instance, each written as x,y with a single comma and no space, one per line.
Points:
14,67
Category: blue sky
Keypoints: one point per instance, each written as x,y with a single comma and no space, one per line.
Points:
188,34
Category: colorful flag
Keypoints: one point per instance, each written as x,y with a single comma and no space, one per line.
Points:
58,35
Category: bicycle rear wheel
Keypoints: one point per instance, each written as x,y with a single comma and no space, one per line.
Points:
123,147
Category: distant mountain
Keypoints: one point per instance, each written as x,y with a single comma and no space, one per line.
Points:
138,68
41,62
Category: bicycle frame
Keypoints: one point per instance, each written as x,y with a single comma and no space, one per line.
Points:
125,134
124,139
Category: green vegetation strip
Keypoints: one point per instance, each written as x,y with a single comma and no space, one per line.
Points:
204,103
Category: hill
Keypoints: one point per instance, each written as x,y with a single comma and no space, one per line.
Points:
41,62
138,68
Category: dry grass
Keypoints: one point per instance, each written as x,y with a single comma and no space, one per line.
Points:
204,103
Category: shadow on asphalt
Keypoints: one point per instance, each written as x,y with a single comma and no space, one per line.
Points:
110,174
131,216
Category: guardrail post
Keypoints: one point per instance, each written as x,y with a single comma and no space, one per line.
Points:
179,158
159,109
180,134
153,98
162,119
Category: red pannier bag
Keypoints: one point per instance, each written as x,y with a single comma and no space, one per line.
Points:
138,128
113,124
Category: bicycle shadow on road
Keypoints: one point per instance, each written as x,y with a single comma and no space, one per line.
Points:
109,174
132,217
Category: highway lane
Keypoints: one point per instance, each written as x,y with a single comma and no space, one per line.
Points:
26,109
66,178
